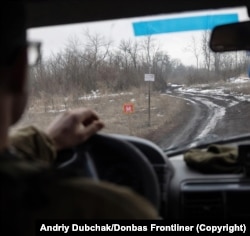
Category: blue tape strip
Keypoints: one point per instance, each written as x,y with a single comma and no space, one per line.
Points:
182,24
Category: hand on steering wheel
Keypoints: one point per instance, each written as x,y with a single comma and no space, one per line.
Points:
100,148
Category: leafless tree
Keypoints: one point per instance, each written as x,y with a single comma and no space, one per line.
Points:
195,49
206,51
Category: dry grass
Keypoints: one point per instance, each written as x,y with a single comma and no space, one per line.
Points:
40,112
229,87
164,109
241,88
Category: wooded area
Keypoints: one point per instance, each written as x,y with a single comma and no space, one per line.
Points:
94,63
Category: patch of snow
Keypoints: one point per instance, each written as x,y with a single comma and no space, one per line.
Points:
217,114
175,85
232,103
57,111
96,95
241,79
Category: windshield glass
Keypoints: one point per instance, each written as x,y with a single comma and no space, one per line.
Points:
152,77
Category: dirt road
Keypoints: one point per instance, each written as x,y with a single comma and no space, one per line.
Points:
207,117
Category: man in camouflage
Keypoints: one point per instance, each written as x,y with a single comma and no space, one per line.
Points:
30,187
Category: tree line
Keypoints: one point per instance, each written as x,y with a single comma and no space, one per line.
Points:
94,63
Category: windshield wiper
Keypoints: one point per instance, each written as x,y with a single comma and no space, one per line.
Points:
193,143
203,143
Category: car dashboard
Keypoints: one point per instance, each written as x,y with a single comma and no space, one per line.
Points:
189,194
194,195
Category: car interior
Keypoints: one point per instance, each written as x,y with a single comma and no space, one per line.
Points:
177,190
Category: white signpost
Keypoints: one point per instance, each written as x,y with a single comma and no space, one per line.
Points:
149,78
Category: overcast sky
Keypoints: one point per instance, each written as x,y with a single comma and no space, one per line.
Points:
55,39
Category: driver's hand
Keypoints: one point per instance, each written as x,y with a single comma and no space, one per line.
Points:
73,127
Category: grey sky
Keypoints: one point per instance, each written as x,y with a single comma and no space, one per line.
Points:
55,39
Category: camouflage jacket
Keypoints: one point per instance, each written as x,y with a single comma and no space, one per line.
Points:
32,144
32,189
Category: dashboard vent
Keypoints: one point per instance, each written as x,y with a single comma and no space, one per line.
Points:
238,204
202,204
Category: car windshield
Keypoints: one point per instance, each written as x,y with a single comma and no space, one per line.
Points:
152,77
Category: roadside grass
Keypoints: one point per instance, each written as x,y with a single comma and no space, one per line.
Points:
163,110
240,88
228,87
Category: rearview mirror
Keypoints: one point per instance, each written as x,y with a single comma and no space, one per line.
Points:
231,37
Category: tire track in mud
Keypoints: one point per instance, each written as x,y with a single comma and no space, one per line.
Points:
205,117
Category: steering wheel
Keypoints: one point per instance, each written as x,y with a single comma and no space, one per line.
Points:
104,157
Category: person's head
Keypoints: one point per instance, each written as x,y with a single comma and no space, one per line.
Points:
13,59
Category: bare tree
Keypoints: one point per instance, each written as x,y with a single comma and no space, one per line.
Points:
194,48
206,51
96,48
149,50
96,51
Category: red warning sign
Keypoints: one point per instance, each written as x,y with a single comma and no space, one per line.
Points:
128,108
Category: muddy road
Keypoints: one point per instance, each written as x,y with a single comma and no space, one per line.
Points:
207,117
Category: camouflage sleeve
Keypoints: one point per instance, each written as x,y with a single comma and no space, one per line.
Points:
30,143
